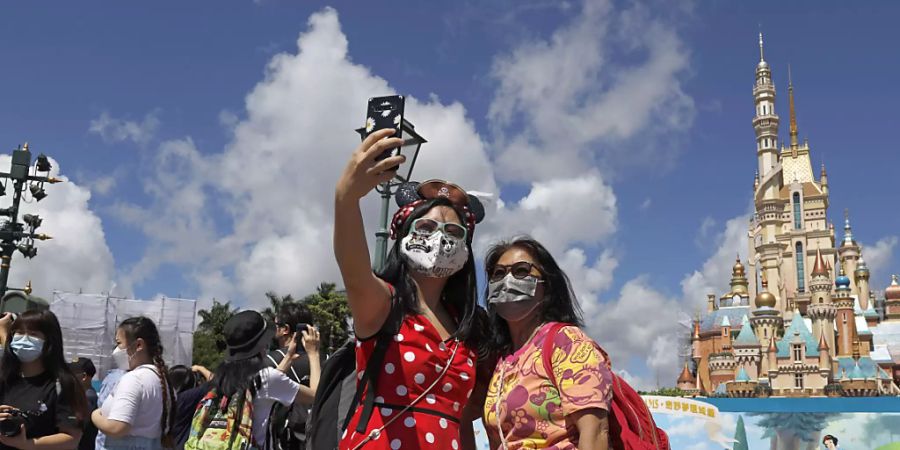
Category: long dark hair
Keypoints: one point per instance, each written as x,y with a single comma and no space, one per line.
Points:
460,292
182,378
559,305
52,357
135,328
233,377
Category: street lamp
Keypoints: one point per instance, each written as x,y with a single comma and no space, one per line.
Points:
13,234
411,139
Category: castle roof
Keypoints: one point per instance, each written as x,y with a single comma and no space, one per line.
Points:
856,373
725,322
799,329
863,368
685,376
746,336
713,320
742,375
862,328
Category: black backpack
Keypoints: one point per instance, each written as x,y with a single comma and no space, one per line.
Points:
288,423
338,393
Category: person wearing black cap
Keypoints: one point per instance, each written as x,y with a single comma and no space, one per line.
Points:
84,371
247,337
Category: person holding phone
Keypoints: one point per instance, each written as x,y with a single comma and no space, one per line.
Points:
420,312
289,422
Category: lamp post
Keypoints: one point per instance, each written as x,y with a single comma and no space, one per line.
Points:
388,189
13,234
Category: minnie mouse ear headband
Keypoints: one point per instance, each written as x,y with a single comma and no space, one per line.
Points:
411,194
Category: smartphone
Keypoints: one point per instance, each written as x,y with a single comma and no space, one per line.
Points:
299,329
385,112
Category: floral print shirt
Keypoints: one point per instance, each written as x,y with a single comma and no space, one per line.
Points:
532,411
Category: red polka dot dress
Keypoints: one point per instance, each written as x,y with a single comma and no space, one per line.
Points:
413,362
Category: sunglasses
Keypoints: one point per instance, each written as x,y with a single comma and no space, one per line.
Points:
519,271
427,227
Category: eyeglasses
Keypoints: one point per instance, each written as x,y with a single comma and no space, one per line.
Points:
427,227
519,271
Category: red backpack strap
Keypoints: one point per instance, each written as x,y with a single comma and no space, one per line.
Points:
547,350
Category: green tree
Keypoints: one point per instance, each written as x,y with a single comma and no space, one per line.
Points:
276,302
740,436
330,313
206,349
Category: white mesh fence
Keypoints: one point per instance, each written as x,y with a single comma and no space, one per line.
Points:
89,322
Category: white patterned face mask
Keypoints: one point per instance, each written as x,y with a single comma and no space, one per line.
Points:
435,255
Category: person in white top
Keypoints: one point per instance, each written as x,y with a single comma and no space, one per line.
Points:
139,413
247,337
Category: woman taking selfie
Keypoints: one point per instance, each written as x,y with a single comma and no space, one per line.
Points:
43,405
421,309
526,406
139,413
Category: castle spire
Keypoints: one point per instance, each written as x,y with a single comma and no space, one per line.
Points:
848,232
820,268
761,59
793,114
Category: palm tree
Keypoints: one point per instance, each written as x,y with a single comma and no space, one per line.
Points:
213,320
277,302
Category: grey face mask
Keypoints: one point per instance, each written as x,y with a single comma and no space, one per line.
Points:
511,289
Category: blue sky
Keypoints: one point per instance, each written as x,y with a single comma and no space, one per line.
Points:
131,100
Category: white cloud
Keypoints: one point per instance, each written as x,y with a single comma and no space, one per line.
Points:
77,257
572,96
713,276
113,130
879,257
640,319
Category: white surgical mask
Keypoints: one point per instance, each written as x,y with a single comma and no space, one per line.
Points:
434,255
26,348
513,298
120,358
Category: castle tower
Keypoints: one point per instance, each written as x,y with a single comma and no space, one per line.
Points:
892,299
845,320
766,222
849,251
821,310
823,180
739,294
824,358
861,276
766,320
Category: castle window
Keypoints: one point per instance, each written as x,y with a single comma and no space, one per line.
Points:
798,353
798,380
801,280
798,220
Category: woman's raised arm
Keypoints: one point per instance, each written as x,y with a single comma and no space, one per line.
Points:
367,296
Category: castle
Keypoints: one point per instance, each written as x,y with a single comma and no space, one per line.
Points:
792,331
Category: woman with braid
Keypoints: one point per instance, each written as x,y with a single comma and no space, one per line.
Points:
139,413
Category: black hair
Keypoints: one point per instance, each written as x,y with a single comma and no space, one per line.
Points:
233,377
52,357
143,328
559,304
182,378
833,439
461,291
292,314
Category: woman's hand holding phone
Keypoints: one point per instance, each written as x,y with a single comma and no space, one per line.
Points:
363,173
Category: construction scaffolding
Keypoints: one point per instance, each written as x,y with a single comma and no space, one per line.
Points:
89,321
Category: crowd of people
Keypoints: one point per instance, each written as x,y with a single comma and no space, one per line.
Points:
425,360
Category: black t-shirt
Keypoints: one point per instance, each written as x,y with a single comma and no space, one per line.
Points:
37,397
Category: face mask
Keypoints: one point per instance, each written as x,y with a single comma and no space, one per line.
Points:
26,348
512,298
434,255
120,357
